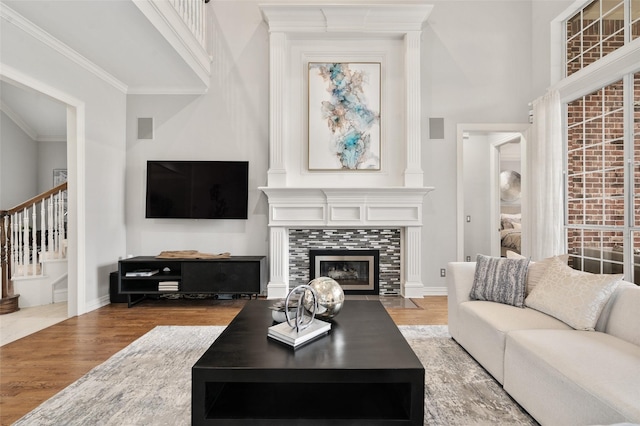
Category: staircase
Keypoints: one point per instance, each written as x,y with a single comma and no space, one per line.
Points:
33,242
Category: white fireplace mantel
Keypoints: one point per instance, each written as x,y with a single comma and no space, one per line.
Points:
390,198
338,207
397,207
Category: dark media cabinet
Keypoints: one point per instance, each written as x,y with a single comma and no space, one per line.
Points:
236,275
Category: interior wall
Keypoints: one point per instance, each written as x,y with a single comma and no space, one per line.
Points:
101,157
477,180
51,155
478,66
18,160
229,122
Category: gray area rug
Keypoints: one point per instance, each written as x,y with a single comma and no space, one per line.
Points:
149,383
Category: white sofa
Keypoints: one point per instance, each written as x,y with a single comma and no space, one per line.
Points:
560,375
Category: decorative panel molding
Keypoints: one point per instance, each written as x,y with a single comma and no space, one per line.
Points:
386,33
399,206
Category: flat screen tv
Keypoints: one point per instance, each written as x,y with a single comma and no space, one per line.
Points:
197,189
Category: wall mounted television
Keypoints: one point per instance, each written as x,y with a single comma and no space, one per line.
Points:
197,189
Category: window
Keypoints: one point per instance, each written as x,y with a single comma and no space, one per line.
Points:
602,217
595,31
595,180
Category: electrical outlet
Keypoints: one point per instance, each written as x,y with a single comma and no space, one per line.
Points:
443,272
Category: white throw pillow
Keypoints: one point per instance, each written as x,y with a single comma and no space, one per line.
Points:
574,297
536,269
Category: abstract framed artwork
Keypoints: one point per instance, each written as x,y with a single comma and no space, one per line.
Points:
344,116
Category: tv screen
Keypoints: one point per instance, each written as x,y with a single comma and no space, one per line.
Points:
197,189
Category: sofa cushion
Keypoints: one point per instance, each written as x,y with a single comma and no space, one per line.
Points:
572,296
536,269
484,326
573,377
500,280
622,310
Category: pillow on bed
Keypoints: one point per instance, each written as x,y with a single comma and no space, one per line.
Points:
507,220
501,280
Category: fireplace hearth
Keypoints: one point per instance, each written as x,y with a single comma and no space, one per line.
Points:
357,271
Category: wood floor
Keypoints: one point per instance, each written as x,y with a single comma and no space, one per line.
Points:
36,367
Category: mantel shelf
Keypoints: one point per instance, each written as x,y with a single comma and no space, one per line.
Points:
384,206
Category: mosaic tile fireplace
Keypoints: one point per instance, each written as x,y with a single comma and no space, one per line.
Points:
386,243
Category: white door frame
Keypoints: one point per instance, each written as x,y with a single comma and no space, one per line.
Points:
76,303
463,128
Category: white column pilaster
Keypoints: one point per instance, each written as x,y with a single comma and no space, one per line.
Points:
413,174
278,286
277,174
412,286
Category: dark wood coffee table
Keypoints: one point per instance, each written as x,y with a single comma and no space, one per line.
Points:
363,372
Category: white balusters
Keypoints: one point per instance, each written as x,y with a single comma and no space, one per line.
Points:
193,14
26,249
49,222
25,239
42,231
34,241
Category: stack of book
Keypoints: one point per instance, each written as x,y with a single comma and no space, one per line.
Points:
142,273
168,286
284,333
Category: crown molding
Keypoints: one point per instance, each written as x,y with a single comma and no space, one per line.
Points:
16,118
14,18
392,18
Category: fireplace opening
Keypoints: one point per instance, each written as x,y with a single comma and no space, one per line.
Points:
357,271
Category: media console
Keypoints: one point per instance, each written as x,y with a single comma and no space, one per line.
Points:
147,275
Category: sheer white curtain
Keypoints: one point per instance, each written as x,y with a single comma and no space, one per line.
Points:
544,157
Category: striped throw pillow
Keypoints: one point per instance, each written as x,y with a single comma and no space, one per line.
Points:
501,280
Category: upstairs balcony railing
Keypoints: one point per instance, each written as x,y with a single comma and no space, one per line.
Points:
30,233
192,13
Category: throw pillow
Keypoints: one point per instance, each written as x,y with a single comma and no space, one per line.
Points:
574,297
536,269
501,280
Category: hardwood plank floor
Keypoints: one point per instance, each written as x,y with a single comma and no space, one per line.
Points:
36,367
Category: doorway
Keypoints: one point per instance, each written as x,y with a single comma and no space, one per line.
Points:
479,203
75,113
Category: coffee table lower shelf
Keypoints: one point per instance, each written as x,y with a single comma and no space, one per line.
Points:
315,403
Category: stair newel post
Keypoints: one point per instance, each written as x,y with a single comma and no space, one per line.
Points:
8,300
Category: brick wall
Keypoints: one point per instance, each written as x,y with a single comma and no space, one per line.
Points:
387,241
585,44
596,167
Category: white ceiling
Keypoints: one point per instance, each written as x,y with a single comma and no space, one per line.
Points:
112,34
40,117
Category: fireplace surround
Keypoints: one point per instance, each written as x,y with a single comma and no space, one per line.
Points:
390,198
357,271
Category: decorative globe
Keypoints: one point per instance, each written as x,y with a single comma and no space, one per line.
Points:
330,297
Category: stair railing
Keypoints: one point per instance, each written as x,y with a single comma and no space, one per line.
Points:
193,14
29,233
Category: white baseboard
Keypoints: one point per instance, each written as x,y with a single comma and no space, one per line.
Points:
60,295
435,291
97,303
